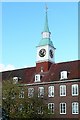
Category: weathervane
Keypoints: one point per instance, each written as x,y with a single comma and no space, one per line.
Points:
46,7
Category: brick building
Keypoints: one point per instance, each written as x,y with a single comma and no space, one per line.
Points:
59,83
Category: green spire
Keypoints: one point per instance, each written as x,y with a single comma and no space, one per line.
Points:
46,34
46,28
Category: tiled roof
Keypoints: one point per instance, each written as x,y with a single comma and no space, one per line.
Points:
73,69
28,74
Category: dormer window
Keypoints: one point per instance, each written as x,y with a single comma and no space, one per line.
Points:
37,78
15,80
63,75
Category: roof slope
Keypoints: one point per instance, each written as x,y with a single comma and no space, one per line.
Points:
73,69
27,75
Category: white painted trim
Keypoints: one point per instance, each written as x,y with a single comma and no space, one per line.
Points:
52,88
61,87
47,60
51,107
53,82
65,108
73,86
77,106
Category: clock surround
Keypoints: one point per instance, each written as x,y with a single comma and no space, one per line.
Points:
42,52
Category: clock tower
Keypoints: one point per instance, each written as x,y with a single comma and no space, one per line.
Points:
45,50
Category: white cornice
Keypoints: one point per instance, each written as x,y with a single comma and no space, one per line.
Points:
53,82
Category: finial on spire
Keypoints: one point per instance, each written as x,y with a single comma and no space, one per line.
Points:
46,7
46,28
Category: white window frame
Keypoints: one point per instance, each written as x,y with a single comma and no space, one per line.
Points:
15,80
75,90
62,108
75,108
40,110
37,78
51,91
62,90
21,94
30,107
51,108
63,75
30,92
21,107
41,92
13,95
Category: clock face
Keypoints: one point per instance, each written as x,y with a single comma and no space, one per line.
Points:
51,53
42,52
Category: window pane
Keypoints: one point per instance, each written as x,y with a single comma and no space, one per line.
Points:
51,108
30,92
37,78
40,91
75,89
63,75
51,91
62,108
63,90
75,108
21,94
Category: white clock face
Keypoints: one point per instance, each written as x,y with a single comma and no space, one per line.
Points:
42,52
51,53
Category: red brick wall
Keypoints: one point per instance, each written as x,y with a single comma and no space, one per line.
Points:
45,65
57,99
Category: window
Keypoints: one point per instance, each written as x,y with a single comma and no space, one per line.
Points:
75,108
30,92
40,110
62,108
62,90
13,95
51,91
30,107
51,108
37,78
21,94
63,75
15,80
40,91
21,107
75,90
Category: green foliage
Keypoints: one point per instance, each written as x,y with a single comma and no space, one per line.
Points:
38,108
30,108
11,100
